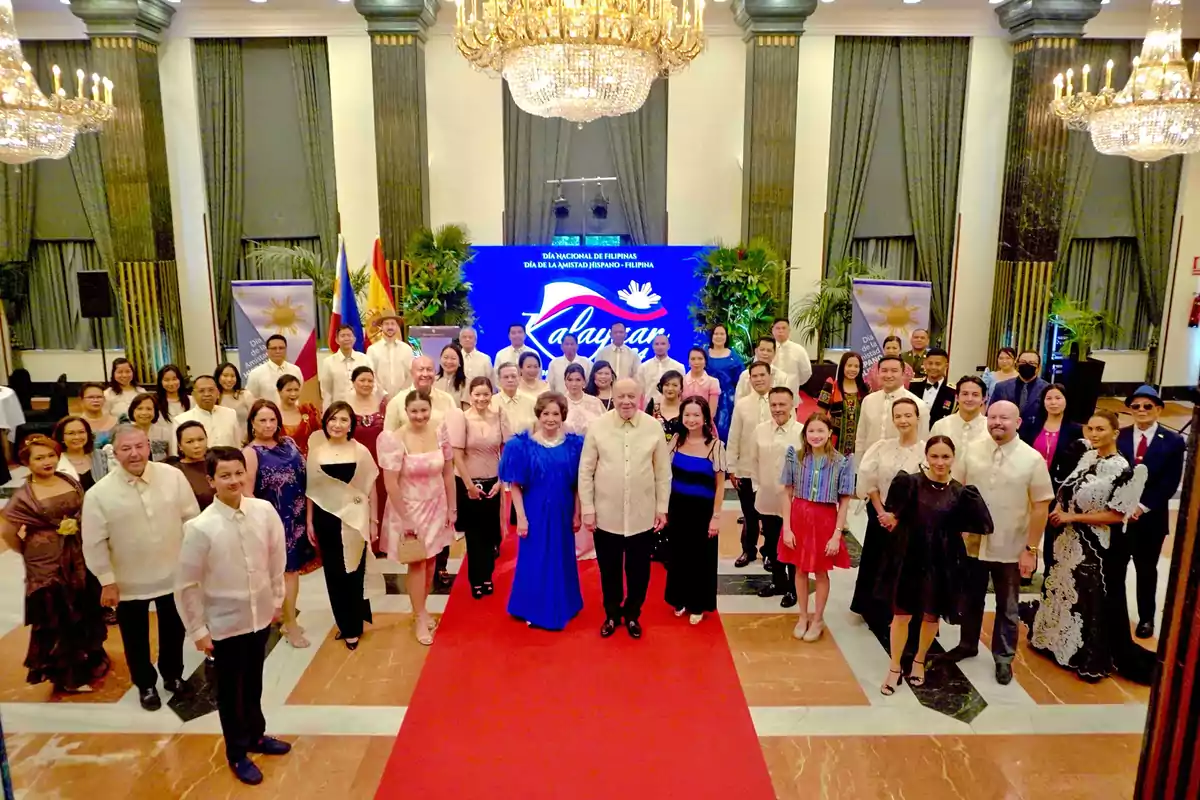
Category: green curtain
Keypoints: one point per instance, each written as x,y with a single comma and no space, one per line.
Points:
1155,190
222,138
638,142
535,150
310,71
860,67
895,256
1105,274
933,91
16,231
54,292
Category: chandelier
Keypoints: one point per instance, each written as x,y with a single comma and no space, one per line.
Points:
33,125
1157,114
580,59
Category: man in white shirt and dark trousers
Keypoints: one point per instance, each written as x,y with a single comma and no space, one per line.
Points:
748,413
791,357
623,359
476,363
968,423
769,447
764,351
516,346
624,492
391,357
132,531
875,413
260,383
1015,483
336,370
650,372
558,367
220,423
229,589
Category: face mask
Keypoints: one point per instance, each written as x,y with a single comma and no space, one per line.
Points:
1027,371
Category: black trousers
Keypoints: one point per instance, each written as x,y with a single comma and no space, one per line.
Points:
1142,542
772,529
1006,580
239,668
481,525
624,571
751,525
350,608
133,619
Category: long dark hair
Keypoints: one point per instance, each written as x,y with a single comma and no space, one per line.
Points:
1042,416
706,430
161,393
112,375
460,376
237,379
859,381
591,384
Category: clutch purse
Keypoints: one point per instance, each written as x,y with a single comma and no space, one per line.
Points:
410,550
972,541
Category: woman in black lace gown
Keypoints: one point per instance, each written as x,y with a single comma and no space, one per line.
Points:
1083,623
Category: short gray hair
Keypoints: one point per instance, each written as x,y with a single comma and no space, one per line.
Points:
505,365
126,428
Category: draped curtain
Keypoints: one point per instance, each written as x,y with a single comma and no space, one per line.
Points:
639,151
535,150
16,225
933,89
310,70
222,137
859,76
1104,273
1155,188
895,256
54,292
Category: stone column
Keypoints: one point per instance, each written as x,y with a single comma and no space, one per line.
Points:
1044,35
125,36
397,29
772,34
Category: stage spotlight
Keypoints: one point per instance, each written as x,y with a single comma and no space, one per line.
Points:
600,205
562,209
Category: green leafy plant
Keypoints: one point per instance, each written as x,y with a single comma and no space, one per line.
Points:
743,289
435,292
304,264
1085,326
830,308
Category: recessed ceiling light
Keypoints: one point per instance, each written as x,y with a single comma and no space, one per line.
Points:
1105,2
911,2
258,1
65,2
995,2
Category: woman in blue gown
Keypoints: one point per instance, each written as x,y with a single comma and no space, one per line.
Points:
543,469
725,365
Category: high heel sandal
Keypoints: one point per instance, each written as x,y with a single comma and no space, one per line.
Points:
889,689
913,680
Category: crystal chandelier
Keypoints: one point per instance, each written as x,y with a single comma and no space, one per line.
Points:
1157,114
33,125
580,59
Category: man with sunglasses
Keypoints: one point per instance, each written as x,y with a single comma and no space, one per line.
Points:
1025,390
1162,452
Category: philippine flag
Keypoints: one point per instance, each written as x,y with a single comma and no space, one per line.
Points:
344,306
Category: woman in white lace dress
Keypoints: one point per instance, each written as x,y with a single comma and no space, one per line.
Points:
1083,623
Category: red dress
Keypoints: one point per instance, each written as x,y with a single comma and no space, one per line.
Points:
366,430
818,484
310,422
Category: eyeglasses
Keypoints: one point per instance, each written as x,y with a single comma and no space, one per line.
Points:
1142,407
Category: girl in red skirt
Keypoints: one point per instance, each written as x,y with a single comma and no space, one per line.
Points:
820,484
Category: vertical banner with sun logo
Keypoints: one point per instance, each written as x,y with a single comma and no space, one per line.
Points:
887,308
285,307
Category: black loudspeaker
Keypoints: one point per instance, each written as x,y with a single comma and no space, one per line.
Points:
95,295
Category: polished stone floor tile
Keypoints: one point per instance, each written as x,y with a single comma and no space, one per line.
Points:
110,689
777,670
936,767
383,671
1048,683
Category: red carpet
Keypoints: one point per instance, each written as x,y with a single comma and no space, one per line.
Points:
502,711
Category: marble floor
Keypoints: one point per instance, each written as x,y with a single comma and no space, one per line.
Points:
824,728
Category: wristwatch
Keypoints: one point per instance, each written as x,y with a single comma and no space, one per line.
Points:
1032,549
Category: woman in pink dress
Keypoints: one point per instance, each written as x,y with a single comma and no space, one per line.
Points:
698,383
418,467
582,408
369,406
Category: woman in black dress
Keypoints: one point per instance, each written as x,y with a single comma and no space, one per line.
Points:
191,440
924,558
1060,442
667,409
600,384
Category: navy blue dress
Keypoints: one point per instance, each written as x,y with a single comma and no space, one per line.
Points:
691,552
545,589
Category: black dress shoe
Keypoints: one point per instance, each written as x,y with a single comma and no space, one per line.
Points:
1144,630
956,654
743,560
634,627
789,600
177,686
477,592
150,699
1004,674
769,591
270,746
608,628
488,588
768,564
246,772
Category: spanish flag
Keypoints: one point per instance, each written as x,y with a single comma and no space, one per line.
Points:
379,293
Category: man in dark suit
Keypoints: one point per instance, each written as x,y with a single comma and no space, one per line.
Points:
1162,452
1025,390
934,390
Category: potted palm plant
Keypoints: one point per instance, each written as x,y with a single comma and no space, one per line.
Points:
435,292
827,312
1084,328
741,288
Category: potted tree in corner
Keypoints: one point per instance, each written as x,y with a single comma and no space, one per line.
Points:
822,314
1083,328
435,292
